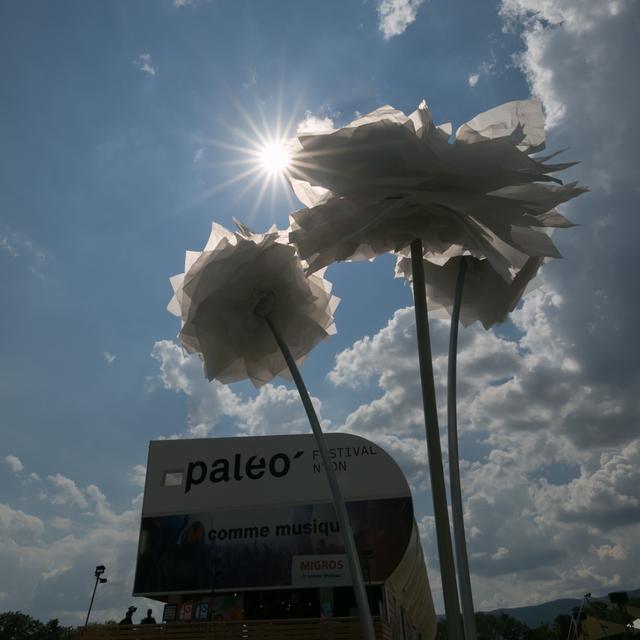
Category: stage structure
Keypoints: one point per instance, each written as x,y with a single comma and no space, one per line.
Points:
245,529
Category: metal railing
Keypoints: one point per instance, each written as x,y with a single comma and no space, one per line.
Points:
299,629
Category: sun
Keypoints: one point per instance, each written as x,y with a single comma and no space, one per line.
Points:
275,158
259,155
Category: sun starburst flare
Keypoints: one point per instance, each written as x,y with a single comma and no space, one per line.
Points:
260,160
275,158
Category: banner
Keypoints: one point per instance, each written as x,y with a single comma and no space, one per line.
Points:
269,546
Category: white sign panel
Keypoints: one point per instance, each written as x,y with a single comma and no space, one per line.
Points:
194,476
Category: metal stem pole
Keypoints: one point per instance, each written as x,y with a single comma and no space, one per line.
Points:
93,595
434,451
362,603
457,516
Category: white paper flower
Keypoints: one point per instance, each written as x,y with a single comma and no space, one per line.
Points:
387,179
486,297
217,295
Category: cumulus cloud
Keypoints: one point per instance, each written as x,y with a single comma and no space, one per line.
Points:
485,68
570,43
66,491
138,475
145,64
51,566
17,525
58,522
314,124
529,532
578,56
207,401
394,16
275,409
108,357
14,463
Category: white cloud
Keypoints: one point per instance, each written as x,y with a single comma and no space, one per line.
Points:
530,537
568,45
17,525
615,552
396,15
485,68
314,124
19,246
58,522
51,567
145,64
7,245
109,357
274,409
138,475
14,463
207,401
199,155
66,491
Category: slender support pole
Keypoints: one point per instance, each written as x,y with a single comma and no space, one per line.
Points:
462,561
434,452
362,603
93,595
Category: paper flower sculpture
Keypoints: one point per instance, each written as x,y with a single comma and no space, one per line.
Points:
217,295
387,182
386,179
488,297
250,311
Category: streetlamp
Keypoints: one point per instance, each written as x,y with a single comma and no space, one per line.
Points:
100,569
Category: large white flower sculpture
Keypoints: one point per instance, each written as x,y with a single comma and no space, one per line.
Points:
386,179
392,182
217,295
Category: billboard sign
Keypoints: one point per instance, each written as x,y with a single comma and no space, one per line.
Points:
191,476
210,532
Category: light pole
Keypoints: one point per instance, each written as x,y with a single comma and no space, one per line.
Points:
100,569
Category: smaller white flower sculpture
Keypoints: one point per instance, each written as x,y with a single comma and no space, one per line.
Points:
488,297
249,311
230,284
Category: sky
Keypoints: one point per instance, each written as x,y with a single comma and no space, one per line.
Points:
120,124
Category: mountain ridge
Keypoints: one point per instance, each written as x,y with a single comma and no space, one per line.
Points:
544,613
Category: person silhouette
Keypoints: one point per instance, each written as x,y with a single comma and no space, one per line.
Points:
127,616
149,619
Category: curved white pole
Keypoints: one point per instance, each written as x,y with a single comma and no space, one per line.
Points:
362,603
457,516
434,451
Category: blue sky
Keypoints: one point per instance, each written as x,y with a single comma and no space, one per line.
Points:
116,121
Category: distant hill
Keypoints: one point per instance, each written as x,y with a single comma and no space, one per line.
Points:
535,615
